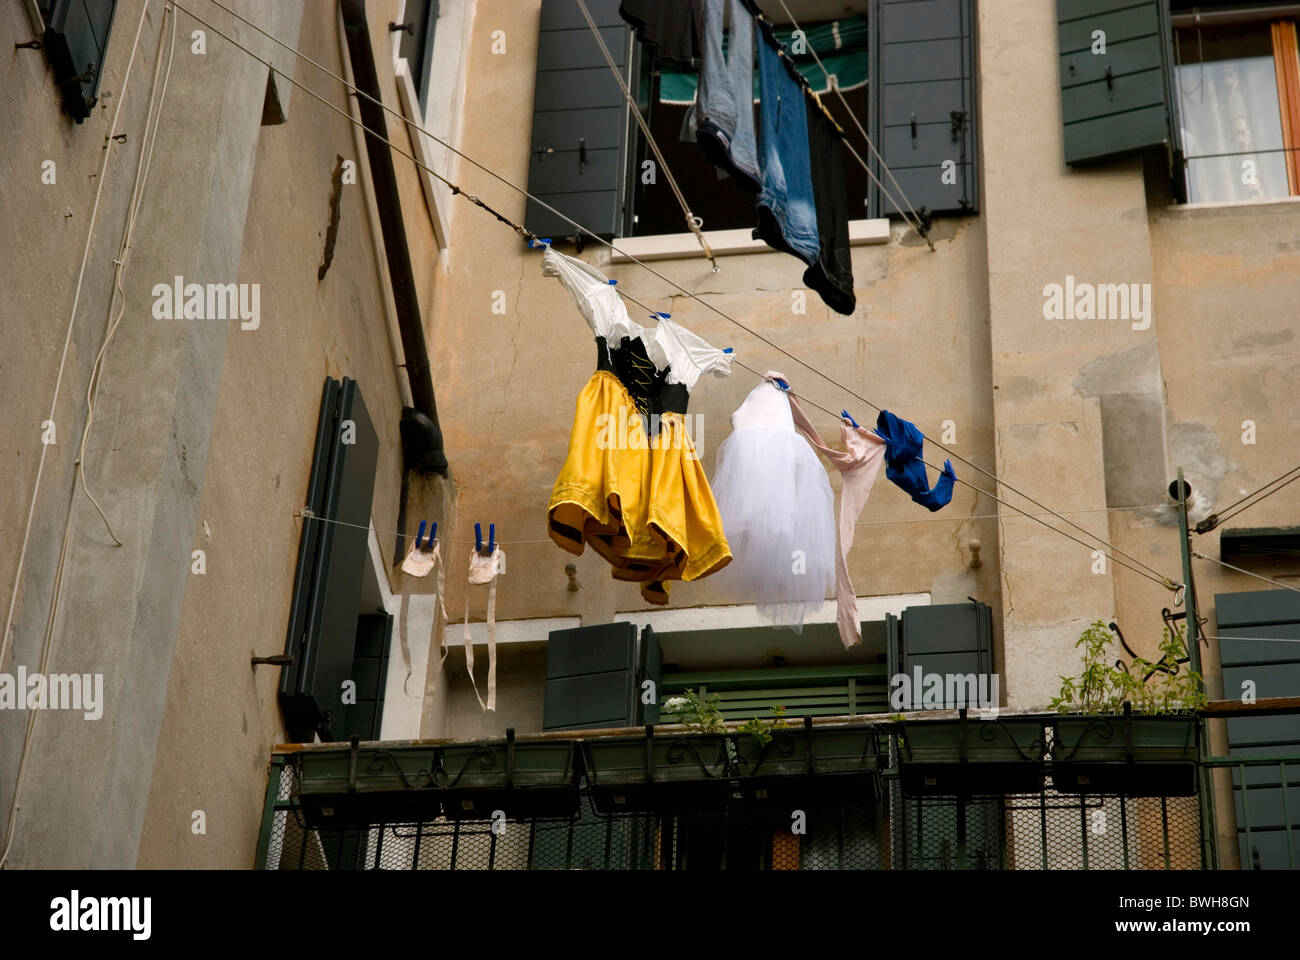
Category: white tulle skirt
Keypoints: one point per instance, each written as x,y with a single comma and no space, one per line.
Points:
777,511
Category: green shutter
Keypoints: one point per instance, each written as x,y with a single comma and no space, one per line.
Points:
76,41
948,638
370,673
1274,668
591,678
924,106
332,556
577,163
1116,102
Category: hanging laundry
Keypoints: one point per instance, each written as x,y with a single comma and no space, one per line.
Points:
858,463
723,116
903,465
778,510
671,28
484,568
682,506
832,274
632,486
787,218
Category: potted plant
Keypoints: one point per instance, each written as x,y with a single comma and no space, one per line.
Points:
645,772
1128,729
533,778
969,757
778,761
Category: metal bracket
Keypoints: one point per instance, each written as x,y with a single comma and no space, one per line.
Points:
957,119
29,45
279,660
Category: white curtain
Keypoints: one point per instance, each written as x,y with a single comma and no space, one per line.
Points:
1231,107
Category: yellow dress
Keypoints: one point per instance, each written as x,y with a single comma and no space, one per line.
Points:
632,486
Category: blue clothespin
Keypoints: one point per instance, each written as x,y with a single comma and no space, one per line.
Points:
419,537
845,415
611,282
781,383
539,242
478,538
728,350
492,537
660,316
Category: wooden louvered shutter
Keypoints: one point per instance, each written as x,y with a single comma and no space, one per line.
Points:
948,638
1274,670
323,615
76,40
578,158
923,105
1117,102
591,678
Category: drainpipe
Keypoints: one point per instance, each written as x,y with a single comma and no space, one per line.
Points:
421,436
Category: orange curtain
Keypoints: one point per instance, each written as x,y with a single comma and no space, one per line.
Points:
1286,62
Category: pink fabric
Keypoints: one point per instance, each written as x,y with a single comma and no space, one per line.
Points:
858,463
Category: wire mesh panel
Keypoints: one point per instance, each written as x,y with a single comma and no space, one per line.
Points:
848,829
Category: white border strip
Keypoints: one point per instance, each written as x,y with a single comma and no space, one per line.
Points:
746,615
725,242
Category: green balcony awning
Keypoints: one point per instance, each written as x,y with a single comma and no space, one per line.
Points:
841,44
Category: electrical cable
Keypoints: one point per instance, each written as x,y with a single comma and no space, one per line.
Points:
833,85
1167,582
693,223
1284,586
47,642
1220,518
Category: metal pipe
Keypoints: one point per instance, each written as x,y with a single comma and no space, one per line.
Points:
1214,18
388,200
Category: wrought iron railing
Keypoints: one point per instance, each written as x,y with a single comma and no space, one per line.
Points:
863,821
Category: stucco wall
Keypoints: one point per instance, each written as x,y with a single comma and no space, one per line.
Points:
203,432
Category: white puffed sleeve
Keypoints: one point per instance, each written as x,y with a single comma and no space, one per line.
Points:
598,302
686,355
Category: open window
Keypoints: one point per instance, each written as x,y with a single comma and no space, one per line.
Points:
905,68
1216,89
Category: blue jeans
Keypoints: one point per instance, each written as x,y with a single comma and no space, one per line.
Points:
787,217
726,107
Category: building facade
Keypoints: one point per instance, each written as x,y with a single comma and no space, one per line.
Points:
353,264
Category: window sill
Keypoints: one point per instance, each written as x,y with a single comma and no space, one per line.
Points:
675,246
1232,204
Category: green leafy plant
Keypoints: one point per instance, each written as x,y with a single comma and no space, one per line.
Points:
1106,683
698,714
761,730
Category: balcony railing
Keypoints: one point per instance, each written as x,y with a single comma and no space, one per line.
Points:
837,793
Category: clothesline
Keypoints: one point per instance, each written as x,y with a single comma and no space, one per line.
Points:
860,523
923,233
693,223
523,232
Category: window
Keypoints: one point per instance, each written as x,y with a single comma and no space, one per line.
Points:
906,68
417,45
1240,109
667,95
1217,90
